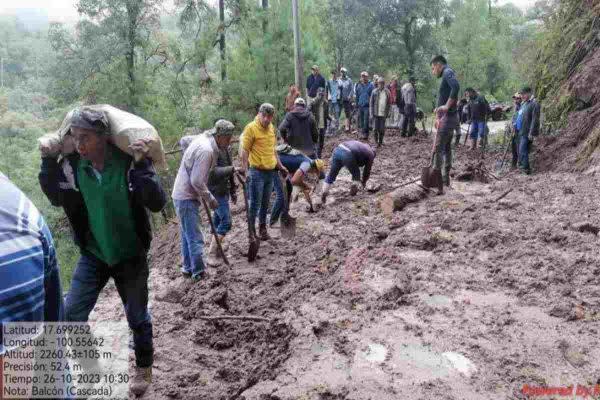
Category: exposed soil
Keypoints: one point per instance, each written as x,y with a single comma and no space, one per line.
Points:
460,296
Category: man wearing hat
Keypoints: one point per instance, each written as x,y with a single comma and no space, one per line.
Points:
528,125
221,184
314,81
514,144
105,194
363,91
346,95
191,188
299,128
259,157
380,109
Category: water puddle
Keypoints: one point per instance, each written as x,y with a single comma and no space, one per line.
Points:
375,353
460,363
437,300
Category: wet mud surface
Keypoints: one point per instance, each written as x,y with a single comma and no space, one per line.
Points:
460,296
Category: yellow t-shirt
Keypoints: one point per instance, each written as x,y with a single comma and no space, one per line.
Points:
260,144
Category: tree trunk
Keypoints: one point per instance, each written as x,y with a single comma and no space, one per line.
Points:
222,40
410,46
298,63
265,6
133,11
401,197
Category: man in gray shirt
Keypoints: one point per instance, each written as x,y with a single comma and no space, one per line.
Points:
191,188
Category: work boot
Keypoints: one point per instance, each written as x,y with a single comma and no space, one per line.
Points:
141,381
263,233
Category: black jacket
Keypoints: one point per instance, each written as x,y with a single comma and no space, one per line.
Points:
299,130
220,180
531,118
314,108
60,184
313,83
479,108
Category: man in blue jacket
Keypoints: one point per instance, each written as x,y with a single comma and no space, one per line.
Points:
528,125
363,90
105,194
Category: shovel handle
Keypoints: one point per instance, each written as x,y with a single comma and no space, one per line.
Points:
214,232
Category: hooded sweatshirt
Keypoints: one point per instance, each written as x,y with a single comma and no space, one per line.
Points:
299,130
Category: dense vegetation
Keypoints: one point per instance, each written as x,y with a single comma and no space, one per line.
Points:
168,65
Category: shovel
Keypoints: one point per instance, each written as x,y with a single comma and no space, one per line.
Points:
214,232
432,177
288,223
253,242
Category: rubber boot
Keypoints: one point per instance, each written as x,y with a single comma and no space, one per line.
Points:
141,381
263,232
325,192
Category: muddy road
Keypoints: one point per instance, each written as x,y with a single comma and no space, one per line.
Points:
461,296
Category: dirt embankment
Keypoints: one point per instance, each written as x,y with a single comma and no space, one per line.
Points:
455,297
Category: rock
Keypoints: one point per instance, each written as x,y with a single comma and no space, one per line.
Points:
382,234
561,311
586,227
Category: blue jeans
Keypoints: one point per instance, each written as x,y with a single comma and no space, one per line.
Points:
364,121
131,280
524,152
222,215
260,187
336,109
477,129
279,207
192,241
342,158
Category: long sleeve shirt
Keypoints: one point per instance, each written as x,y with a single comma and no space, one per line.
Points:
198,160
409,94
363,154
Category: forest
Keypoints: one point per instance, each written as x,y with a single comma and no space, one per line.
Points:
187,64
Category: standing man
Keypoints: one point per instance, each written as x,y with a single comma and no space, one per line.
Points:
379,107
221,184
529,127
259,157
346,94
363,92
446,116
314,81
409,98
479,110
515,132
333,96
105,195
353,155
191,188
394,111
320,112
299,129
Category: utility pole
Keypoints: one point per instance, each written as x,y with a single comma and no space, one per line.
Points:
299,68
222,39
2,72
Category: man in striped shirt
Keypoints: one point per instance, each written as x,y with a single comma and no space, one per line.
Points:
30,288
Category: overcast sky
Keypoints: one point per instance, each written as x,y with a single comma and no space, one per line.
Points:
64,10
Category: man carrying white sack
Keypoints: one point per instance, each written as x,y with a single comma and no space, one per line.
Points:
105,195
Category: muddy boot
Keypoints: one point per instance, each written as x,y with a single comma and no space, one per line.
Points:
263,233
353,189
457,141
325,192
141,381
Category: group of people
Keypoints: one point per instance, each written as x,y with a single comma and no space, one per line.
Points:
374,104
106,195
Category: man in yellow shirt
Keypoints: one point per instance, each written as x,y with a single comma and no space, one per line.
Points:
259,157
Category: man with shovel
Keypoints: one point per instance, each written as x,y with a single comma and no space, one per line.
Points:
446,116
191,189
259,157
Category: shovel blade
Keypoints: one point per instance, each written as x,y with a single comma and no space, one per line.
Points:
288,227
426,177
